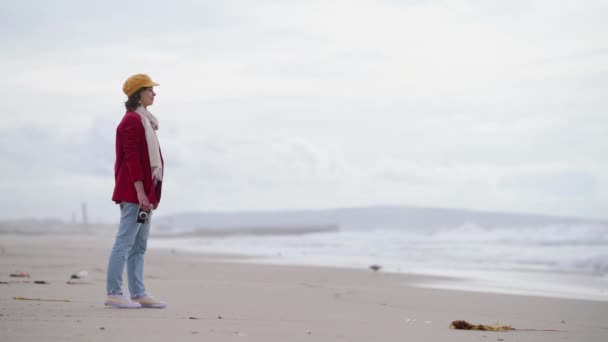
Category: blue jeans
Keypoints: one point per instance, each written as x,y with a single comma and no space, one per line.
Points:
129,247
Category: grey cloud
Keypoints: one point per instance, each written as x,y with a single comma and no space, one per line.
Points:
38,149
491,10
410,3
73,25
579,56
402,176
570,184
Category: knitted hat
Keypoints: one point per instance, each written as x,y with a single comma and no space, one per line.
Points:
136,82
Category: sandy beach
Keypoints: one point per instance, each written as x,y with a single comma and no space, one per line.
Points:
212,298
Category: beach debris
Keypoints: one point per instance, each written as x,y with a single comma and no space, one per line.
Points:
192,317
79,282
80,275
79,278
194,332
375,268
41,299
219,317
17,282
42,282
20,274
464,325
102,328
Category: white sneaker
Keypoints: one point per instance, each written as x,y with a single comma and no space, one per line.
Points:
122,302
147,301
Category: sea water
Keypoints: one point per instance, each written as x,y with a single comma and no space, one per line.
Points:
558,260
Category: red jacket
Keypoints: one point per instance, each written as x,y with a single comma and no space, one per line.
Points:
133,162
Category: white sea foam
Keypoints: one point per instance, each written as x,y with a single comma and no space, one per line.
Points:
486,256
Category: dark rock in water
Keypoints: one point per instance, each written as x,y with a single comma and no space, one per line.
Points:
375,268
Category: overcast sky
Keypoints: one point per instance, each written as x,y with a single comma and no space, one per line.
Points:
490,105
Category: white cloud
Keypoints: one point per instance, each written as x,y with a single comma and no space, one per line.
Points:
479,104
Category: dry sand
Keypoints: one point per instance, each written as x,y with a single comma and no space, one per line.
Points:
213,300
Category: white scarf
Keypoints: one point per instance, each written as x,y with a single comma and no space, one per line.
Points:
150,123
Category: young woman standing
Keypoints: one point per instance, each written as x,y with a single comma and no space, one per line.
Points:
138,175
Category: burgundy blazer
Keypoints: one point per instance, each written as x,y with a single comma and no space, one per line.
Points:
132,162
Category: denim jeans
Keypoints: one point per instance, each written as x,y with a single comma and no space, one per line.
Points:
129,247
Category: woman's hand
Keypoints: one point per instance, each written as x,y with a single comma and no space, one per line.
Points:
144,202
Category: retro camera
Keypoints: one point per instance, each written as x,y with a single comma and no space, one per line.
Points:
142,216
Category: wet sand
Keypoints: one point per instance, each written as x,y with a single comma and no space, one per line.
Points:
212,298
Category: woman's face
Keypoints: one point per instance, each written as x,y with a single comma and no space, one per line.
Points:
147,97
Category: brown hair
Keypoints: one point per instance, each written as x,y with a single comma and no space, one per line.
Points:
133,101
